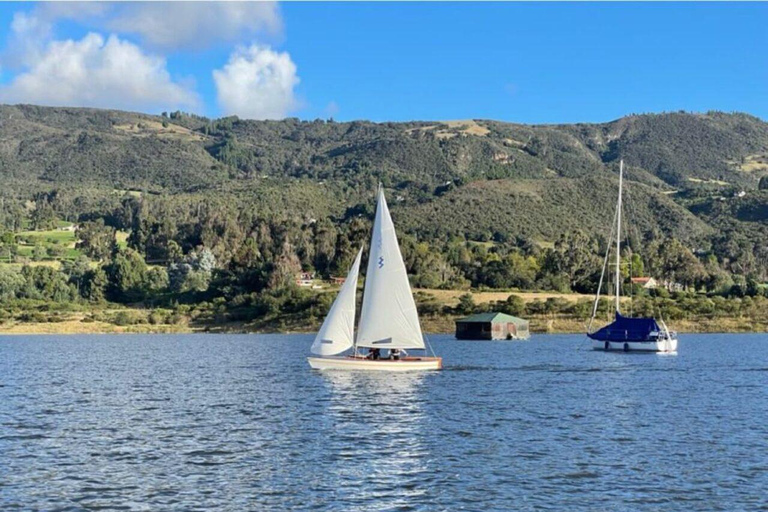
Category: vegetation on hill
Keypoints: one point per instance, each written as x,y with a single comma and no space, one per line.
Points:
175,211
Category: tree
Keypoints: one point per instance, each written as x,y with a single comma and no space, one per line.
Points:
8,244
77,272
95,284
574,256
285,268
95,239
38,252
46,283
11,283
157,280
126,276
42,216
514,305
676,263
175,254
466,304
496,274
638,268
54,251
193,273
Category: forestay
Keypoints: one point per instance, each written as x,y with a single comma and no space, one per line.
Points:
388,318
337,333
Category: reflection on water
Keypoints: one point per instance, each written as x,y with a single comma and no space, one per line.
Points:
377,423
240,423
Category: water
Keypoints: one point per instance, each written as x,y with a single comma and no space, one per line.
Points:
239,423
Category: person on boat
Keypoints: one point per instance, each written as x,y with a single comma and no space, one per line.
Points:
374,353
397,353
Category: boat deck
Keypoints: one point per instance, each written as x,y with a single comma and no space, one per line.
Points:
408,363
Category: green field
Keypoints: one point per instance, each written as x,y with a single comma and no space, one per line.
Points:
63,241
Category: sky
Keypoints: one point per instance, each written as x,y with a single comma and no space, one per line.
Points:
519,62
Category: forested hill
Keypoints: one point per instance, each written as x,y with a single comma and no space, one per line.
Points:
216,183
463,167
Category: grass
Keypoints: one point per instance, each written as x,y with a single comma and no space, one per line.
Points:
148,128
122,239
46,263
468,126
451,297
50,236
713,182
78,323
751,163
64,240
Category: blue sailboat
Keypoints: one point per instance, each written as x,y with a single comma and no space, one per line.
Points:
627,333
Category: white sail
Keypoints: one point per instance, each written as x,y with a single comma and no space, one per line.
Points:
388,317
337,333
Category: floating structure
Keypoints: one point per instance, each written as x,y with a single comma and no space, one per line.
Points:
492,326
388,317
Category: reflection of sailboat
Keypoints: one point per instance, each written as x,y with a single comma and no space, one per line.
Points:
357,389
379,437
627,333
388,317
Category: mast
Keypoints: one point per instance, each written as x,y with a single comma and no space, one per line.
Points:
618,237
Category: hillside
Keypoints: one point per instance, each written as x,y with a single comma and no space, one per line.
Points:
479,176
543,209
118,218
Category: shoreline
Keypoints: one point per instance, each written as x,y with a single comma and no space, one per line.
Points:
430,325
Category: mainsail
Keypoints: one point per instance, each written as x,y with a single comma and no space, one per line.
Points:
337,333
388,318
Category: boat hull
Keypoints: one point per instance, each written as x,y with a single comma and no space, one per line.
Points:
661,345
407,364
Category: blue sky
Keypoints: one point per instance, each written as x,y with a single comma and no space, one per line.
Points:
523,62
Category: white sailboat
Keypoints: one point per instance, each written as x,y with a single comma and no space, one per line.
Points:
388,317
625,333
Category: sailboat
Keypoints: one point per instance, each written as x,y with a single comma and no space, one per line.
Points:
628,333
388,316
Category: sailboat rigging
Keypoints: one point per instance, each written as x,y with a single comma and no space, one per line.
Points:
627,333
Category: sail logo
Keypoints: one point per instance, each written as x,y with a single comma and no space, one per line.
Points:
381,261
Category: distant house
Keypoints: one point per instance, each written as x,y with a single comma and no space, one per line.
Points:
338,280
492,326
305,279
673,286
646,282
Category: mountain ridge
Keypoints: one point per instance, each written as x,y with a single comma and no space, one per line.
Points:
428,165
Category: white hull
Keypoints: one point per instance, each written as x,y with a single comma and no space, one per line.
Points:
407,364
664,345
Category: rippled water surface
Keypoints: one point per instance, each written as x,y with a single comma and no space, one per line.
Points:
237,423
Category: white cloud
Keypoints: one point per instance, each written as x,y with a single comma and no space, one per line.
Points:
196,24
172,25
27,38
257,83
162,25
32,31
95,72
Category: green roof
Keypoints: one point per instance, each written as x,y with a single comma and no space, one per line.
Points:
493,318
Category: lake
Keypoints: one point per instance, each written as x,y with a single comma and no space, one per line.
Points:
239,422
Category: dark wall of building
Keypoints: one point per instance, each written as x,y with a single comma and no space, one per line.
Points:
473,331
